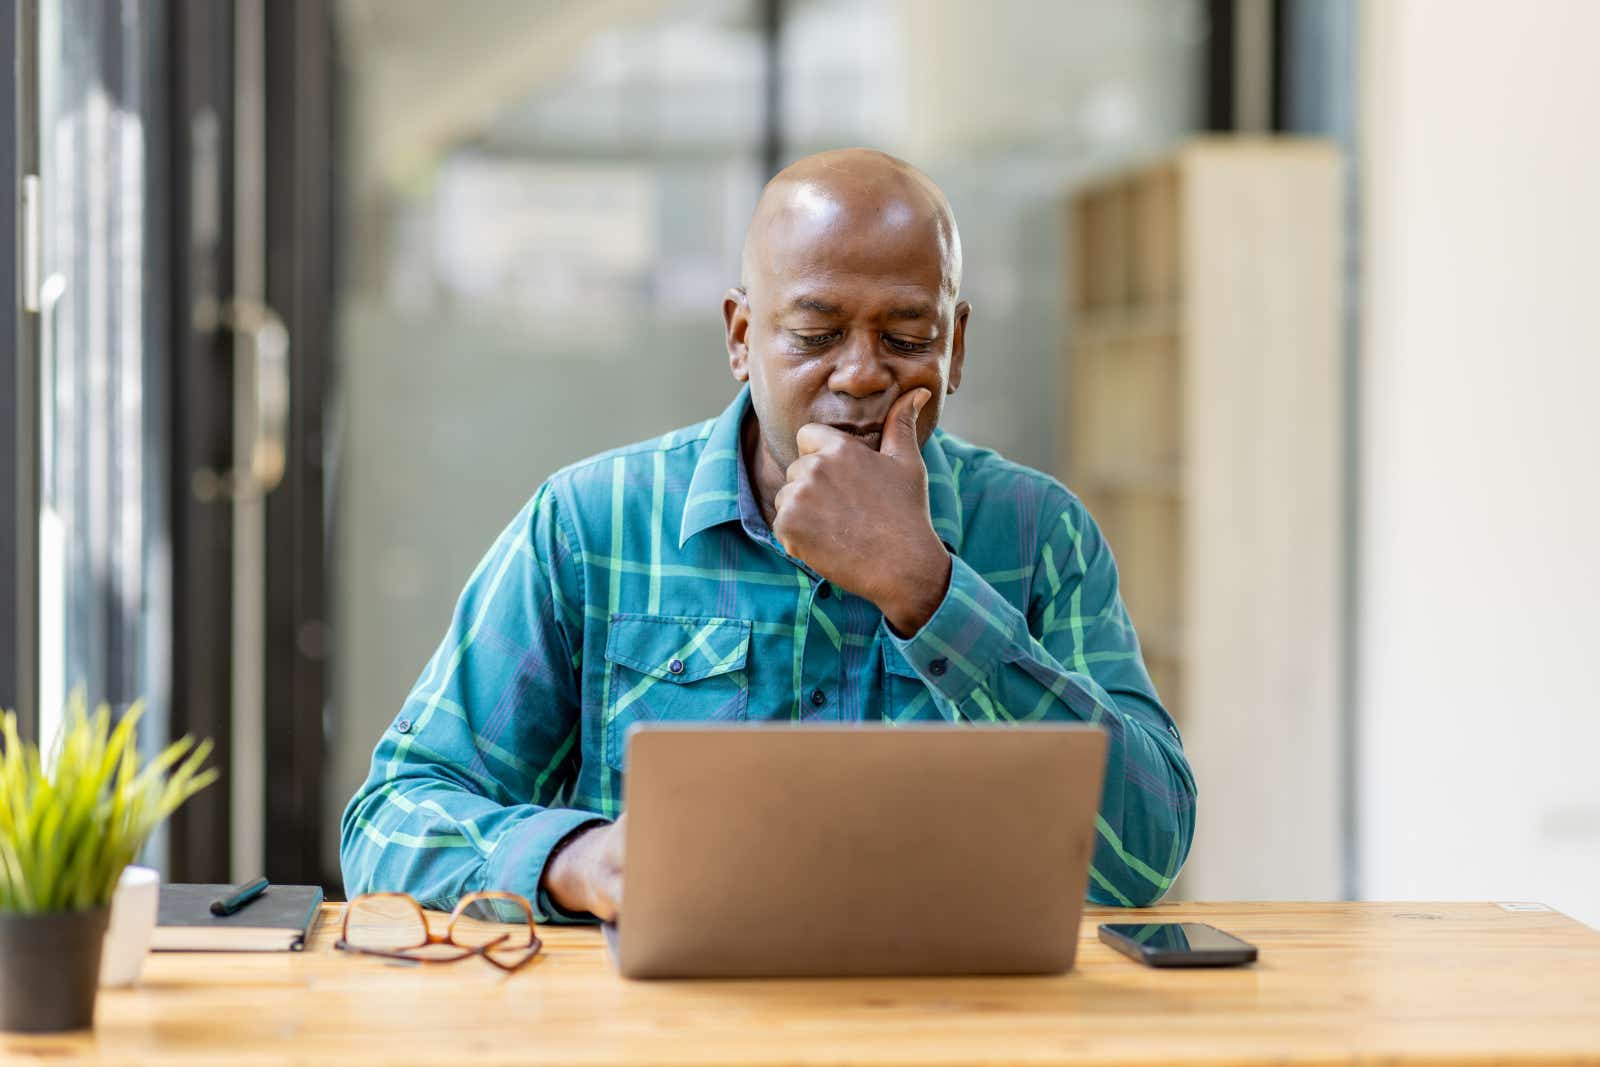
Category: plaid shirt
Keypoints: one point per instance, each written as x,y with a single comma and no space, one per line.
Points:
643,584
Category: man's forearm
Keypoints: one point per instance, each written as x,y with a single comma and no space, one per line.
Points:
980,661
393,823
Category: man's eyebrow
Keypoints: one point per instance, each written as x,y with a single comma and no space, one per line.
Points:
811,303
913,311
896,314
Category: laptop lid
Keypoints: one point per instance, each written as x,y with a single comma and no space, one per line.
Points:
788,849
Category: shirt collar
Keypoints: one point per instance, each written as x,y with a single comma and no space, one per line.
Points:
714,487
719,476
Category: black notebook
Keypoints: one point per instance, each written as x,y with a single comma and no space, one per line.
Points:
279,920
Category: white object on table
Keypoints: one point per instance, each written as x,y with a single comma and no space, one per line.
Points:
133,921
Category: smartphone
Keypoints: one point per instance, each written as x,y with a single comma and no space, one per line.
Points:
1177,944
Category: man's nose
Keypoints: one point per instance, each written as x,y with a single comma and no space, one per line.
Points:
859,371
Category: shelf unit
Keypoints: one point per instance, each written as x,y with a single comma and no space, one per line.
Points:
1204,433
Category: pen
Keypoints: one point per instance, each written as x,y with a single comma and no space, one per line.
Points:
239,898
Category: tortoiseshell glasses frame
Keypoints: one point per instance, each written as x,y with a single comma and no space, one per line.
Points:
429,938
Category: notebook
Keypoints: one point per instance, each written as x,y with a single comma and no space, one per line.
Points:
279,920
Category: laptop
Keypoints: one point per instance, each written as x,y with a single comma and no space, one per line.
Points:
781,849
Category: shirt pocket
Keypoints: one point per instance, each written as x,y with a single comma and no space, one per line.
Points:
673,668
907,697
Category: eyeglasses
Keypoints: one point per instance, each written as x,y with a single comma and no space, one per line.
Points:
496,926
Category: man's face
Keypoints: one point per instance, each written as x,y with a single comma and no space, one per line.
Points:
839,319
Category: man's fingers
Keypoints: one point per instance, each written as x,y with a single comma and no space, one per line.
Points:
608,889
814,436
796,470
900,428
608,893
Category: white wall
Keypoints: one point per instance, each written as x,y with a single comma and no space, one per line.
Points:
1480,728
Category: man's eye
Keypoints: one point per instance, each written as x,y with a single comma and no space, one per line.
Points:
817,340
901,344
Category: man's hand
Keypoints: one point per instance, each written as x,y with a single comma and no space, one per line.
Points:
585,874
860,519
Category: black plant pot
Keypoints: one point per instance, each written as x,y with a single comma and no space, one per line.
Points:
50,969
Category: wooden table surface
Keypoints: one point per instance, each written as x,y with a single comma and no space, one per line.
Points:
1336,983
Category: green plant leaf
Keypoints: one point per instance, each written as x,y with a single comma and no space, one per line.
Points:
71,823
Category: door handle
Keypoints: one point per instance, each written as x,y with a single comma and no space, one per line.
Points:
260,404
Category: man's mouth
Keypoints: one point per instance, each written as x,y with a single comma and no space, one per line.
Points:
869,435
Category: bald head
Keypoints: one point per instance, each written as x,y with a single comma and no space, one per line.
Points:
829,206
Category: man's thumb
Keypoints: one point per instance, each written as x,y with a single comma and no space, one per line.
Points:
900,428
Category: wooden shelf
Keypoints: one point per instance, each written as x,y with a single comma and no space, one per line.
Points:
1133,478
1121,322
1202,392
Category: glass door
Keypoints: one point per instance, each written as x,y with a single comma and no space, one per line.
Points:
98,214
164,511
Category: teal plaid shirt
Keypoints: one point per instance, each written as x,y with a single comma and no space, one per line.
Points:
643,585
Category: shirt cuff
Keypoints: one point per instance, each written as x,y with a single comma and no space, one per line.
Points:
961,647
518,860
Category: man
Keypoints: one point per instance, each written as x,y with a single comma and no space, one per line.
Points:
820,551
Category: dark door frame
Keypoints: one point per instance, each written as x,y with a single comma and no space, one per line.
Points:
12,506
299,192
201,185
19,370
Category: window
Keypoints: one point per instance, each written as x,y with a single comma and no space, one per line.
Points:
102,332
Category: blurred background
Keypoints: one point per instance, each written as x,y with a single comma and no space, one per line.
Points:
312,295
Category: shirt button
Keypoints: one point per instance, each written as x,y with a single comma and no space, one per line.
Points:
818,698
676,666
937,667
824,591
404,725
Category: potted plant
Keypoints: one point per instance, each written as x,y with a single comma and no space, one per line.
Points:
68,826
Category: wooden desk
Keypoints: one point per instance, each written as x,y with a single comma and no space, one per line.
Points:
1390,983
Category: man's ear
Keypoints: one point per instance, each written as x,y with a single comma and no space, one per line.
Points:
736,322
958,345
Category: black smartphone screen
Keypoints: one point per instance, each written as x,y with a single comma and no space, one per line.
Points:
1177,944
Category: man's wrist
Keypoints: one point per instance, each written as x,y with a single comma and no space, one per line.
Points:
563,879
923,591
